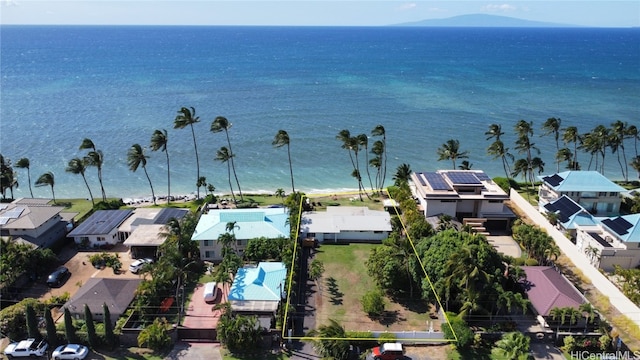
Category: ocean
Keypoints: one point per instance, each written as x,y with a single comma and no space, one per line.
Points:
116,85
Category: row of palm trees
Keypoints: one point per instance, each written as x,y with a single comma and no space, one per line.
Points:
357,143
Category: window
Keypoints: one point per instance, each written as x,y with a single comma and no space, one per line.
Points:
241,242
209,254
613,194
602,194
495,201
207,243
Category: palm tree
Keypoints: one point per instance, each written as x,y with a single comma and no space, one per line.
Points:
633,133
378,162
635,164
619,132
8,178
350,144
186,118
559,315
521,166
23,163
202,182
402,175
363,141
159,140
495,131
280,193
137,158
570,135
47,179
223,155
589,313
466,165
565,154
600,138
498,150
451,151
94,158
379,130
78,166
219,124
513,346
552,126
281,139
330,343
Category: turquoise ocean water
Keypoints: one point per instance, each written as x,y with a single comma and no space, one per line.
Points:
116,85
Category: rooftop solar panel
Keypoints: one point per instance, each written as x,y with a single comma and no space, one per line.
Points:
553,180
436,181
101,222
565,208
3,206
482,176
3,220
458,177
619,225
168,213
421,179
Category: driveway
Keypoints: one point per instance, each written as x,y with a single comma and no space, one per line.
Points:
201,315
195,351
505,244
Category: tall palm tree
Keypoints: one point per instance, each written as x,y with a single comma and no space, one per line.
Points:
8,178
552,126
601,136
24,163
78,166
379,130
187,117
363,141
498,150
589,313
159,140
403,174
635,164
521,167
47,179
620,132
466,165
94,158
571,135
495,131
633,133
137,158
565,154
281,139
350,143
224,155
202,182
450,150
330,343
378,162
219,124
280,193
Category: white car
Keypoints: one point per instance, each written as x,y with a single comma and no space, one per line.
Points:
26,348
71,352
138,264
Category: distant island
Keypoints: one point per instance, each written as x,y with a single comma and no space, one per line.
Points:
482,20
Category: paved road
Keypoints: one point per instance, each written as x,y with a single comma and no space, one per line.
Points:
195,351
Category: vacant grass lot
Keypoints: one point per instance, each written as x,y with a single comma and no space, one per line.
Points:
343,284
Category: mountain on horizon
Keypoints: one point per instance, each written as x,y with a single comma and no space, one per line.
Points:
482,20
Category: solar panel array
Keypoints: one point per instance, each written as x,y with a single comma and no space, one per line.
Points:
553,180
436,181
619,225
459,177
421,179
565,208
168,213
101,222
482,176
11,214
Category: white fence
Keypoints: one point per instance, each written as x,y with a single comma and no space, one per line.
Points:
580,260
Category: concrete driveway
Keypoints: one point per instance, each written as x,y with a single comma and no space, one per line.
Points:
195,351
505,244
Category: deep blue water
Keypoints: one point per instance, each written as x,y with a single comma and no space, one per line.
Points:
116,85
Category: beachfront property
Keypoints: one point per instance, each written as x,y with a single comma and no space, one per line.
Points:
270,223
547,288
258,290
34,221
346,224
470,196
144,227
590,189
100,229
611,241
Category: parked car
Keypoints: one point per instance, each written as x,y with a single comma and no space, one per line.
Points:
58,277
138,264
388,351
210,291
70,351
26,348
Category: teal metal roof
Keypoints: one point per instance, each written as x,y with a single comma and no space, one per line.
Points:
262,283
582,181
629,234
250,224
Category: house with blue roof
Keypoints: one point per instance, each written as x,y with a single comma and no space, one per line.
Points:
590,189
270,223
611,241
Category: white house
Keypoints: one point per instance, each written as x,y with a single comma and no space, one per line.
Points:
611,241
467,195
590,189
270,223
34,221
101,228
346,224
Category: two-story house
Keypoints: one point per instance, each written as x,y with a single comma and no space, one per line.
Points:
467,195
611,241
34,221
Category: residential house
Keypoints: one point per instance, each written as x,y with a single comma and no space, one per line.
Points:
470,196
346,224
270,223
611,241
116,293
590,189
258,290
547,288
34,221
144,227
101,229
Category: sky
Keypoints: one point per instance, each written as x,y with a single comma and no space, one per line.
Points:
601,13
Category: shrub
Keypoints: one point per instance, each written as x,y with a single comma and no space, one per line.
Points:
386,337
518,261
531,262
505,184
458,329
373,303
569,344
155,336
13,320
